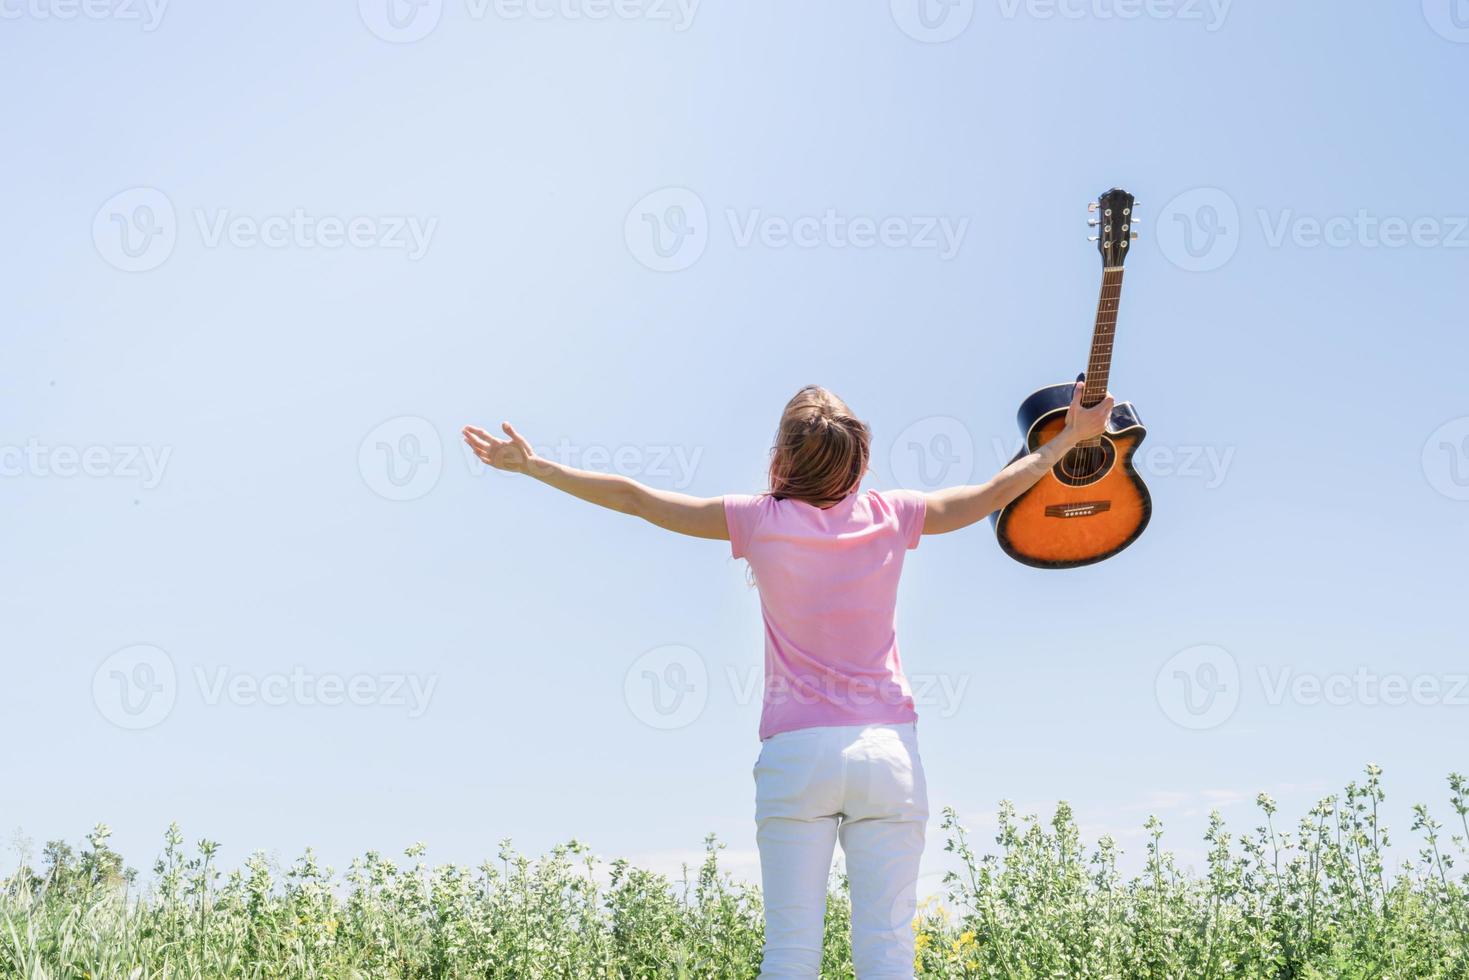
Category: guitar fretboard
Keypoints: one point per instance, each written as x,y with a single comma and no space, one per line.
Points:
1100,363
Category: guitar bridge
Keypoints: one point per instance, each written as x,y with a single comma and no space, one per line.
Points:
1084,508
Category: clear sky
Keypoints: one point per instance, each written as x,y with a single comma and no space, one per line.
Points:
264,260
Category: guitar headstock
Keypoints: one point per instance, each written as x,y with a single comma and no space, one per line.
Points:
1113,218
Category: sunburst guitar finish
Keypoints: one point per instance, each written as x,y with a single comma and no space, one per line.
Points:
1092,504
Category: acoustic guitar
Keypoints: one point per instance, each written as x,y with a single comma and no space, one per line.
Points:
1093,503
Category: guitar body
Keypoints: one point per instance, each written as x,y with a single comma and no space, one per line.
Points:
1091,505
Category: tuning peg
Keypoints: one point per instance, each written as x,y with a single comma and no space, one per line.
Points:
1092,207
1091,238
1093,222
1134,236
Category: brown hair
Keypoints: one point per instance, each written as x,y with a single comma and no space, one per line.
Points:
821,449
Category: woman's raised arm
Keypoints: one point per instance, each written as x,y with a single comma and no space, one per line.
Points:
698,517
958,507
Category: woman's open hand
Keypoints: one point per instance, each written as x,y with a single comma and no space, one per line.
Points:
1088,423
514,455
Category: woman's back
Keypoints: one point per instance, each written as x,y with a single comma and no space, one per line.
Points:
828,580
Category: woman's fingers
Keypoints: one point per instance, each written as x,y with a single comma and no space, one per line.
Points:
477,432
502,454
479,437
482,449
516,438
496,453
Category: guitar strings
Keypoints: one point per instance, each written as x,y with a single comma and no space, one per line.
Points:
1091,458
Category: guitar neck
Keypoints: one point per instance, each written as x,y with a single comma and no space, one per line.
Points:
1099,364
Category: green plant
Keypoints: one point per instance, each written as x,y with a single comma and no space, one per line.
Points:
1314,902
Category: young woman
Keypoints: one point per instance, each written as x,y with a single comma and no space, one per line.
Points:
839,752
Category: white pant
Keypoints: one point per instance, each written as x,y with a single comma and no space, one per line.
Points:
864,784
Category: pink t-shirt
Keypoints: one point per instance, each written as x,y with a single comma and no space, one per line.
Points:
828,582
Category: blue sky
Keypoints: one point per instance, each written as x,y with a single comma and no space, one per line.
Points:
264,262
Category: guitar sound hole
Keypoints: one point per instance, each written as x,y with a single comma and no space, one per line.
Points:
1085,464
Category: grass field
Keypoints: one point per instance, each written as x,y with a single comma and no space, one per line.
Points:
1315,900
